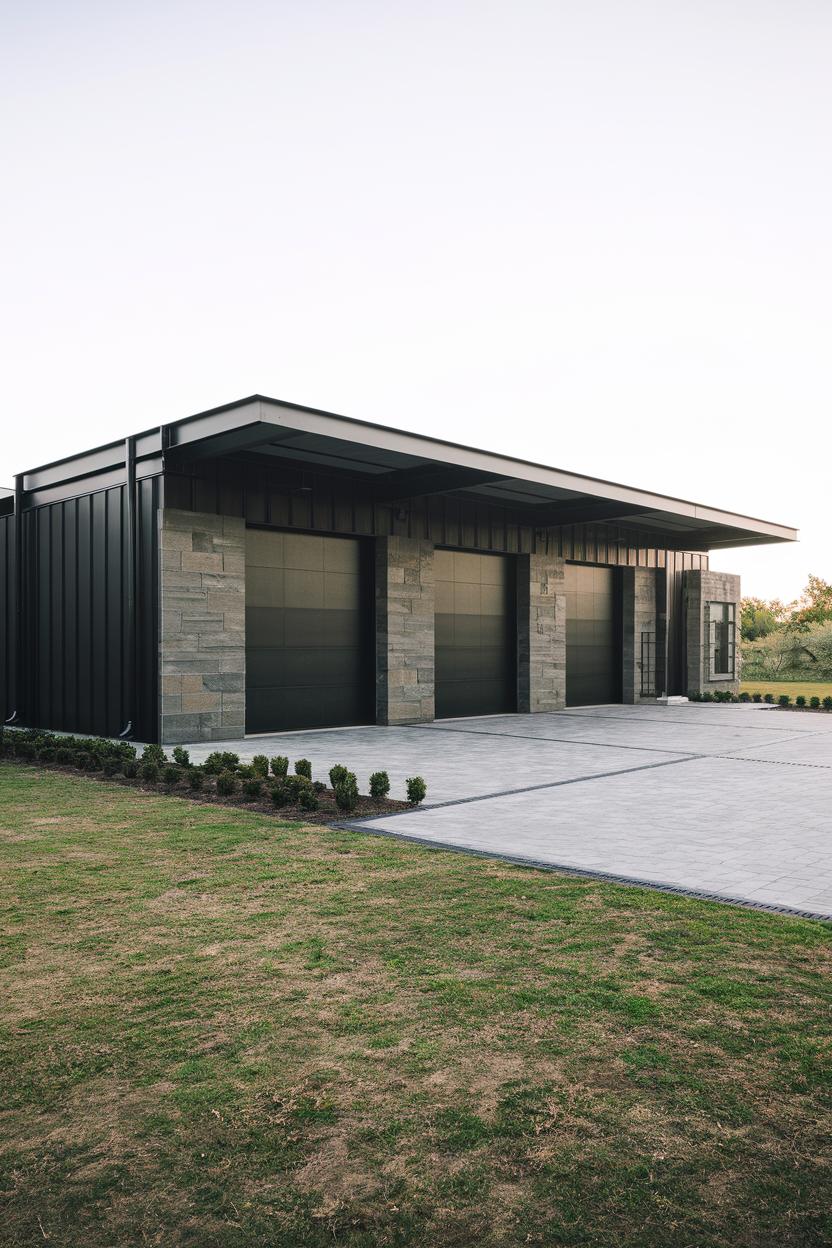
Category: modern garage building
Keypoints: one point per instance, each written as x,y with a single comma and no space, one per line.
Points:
264,566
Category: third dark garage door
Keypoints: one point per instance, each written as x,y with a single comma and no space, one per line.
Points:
475,634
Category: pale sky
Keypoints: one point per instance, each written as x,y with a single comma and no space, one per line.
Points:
592,234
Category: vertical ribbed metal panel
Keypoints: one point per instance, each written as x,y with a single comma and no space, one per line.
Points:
75,634
8,607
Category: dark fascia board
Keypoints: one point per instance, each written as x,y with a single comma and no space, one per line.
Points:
258,419
100,460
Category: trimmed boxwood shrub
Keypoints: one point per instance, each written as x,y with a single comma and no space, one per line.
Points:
279,766
294,786
226,783
827,702
154,754
196,778
252,788
221,760
784,699
756,697
745,697
416,789
308,799
260,764
768,697
181,756
379,784
303,767
337,774
707,696
346,792
800,700
814,702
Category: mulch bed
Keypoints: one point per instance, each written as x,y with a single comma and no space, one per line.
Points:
327,813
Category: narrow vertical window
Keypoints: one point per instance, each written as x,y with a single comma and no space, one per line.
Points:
722,622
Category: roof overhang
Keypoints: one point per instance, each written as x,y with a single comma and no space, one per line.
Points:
397,466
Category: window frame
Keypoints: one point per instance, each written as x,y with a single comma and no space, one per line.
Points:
722,615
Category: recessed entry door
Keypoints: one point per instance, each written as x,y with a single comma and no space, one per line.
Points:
593,636
475,634
309,657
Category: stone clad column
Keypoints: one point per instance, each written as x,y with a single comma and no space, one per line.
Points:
640,662
541,633
202,638
405,652
703,587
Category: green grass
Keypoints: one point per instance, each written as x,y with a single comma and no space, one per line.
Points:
219,1030
809,688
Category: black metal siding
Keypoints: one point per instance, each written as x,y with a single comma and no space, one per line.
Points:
74,652
289,497
8,606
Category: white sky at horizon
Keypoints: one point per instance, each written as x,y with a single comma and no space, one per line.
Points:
595,236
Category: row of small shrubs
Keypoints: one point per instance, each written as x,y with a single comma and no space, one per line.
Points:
253,781
782,699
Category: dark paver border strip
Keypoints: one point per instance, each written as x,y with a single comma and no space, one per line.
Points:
534,788
567,714
683,755
530,736
536,864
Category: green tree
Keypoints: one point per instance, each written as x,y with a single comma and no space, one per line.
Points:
814,605
758,618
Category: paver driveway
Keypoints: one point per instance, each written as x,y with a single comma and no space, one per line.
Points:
732,801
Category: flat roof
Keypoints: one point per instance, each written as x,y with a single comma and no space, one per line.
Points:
397,465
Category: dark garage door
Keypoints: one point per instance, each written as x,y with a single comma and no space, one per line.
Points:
593,670
308,632
475,634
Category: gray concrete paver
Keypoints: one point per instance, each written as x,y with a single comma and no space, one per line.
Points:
733,801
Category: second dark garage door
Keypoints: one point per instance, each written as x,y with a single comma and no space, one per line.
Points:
309,638
593,636
475,634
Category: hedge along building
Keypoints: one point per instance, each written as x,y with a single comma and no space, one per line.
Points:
264,566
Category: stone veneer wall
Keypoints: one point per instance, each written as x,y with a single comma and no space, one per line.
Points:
702,587
638,606
405,652
541,633
202,647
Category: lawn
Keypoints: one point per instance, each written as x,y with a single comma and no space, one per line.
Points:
809,688
222,1030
